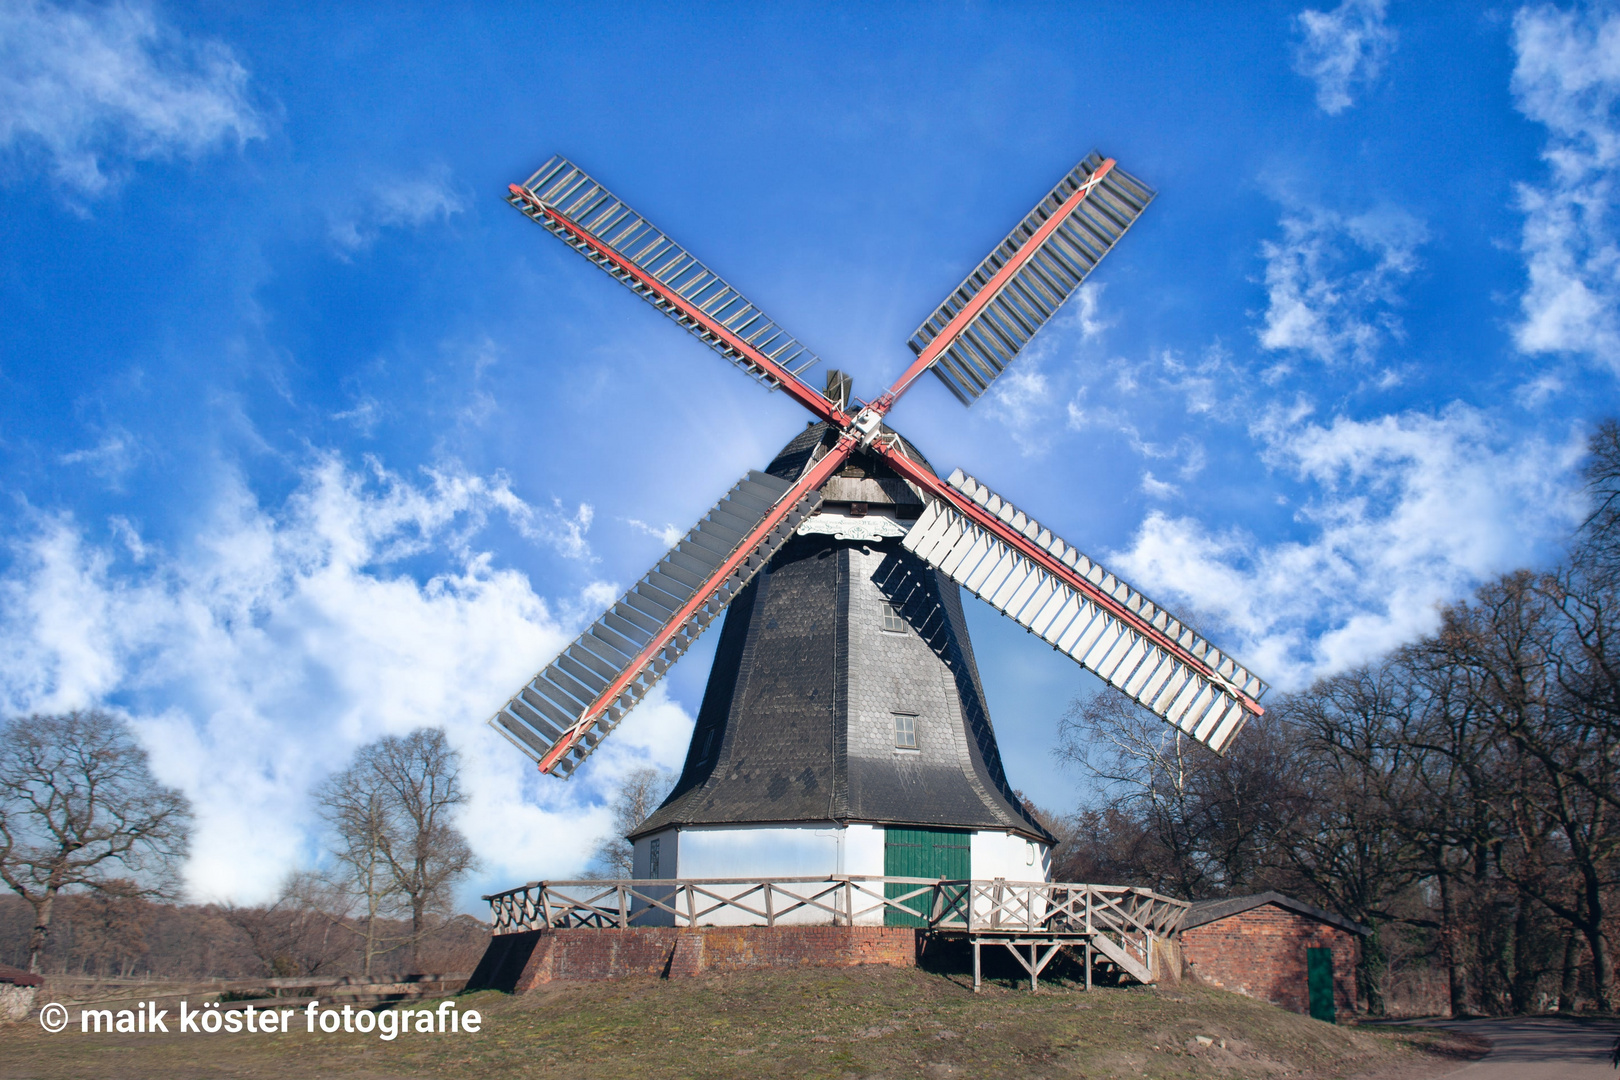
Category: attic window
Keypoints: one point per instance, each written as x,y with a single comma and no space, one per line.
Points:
853,472
905,731
892,622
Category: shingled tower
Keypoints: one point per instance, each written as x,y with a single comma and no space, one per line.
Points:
844,729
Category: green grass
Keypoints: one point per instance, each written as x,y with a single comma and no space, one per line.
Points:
833,1023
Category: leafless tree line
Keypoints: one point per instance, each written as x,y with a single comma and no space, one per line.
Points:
1459,795
84,823
98,936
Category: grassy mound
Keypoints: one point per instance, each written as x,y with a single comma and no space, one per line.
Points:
851,1022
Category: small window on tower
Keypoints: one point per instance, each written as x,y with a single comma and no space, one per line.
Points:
892,621
652,858
905,731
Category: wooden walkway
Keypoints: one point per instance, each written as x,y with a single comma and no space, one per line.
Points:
1033,920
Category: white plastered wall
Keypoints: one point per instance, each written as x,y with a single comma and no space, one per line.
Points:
1007,855
1013,859
813,851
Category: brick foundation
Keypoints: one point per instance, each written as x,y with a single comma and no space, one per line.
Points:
520,962
1261,953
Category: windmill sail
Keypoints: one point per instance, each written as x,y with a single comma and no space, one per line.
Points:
1029,275
549,710
565,188
1169,670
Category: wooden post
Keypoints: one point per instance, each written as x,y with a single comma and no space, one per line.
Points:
975,967
624,922
1034,970
770,909
1088,963
691,905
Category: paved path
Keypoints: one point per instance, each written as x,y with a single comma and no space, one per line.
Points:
1539,1048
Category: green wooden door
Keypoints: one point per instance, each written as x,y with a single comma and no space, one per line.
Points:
1319,980
925,853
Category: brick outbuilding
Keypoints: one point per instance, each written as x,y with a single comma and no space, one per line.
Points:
1277,949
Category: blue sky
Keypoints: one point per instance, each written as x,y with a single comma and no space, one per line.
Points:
306,436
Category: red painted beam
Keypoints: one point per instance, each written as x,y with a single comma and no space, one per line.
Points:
811,480
790,383
954,328
1045,560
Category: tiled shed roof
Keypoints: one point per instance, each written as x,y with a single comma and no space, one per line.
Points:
1208,911
18,977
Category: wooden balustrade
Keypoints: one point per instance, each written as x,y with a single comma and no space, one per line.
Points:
994,906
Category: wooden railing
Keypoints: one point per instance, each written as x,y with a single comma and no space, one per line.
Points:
995,907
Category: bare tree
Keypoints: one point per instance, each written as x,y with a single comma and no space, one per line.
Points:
400,853
355,809
638,795
80,809
1597,543
299,934
1541,665
1342,841
426,853
1202,822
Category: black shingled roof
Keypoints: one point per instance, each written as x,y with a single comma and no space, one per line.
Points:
1208,911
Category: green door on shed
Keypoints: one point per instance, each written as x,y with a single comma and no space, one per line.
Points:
1319,980
924,853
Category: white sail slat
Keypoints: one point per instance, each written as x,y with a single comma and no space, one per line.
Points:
1143,651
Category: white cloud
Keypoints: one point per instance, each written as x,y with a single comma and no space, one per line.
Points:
111,459
409,203
669,534
1211,385
1568,78
1203,384
1087,310
1022,401
1155,488
1342,48
256,660
1411,511
1026,398
1331,281
86,87
364,416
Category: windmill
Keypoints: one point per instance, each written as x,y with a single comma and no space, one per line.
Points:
851,518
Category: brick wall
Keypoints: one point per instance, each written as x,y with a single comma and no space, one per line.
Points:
520,962
1261,953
